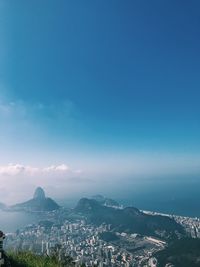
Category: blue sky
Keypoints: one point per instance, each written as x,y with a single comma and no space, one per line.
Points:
102,86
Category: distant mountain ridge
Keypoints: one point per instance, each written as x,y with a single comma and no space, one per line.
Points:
106,201
38,203
2,206
130,219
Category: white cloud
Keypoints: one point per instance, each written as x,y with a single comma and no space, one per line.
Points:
53,168
62,167
11,109
18,169
19,181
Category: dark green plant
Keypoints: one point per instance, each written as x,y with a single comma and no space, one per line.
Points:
28,259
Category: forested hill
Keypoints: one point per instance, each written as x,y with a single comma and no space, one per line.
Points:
29,259
129,219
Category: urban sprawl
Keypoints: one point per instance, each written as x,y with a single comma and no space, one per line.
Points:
85,243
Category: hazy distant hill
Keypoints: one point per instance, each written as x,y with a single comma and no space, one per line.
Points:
39,202
106,201
2,206
128,219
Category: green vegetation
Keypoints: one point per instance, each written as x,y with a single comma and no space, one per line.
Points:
109,236
28,259
181,253
129,220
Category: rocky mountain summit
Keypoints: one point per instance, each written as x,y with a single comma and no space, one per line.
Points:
38,203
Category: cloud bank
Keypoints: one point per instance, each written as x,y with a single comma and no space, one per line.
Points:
17,169
18,181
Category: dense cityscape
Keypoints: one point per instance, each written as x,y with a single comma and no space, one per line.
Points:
92,245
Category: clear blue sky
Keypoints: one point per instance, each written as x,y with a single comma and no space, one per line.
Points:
85,80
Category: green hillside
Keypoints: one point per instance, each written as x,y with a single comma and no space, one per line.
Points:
128,220
180,253
28,259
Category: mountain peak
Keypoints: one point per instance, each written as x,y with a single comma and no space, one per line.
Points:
39,202
39,193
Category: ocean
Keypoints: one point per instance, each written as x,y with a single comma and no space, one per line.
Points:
11,221
179,199
172,198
